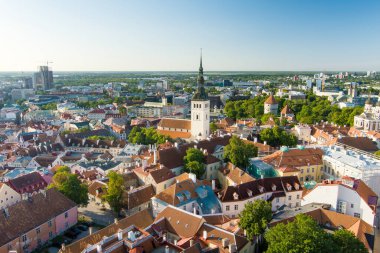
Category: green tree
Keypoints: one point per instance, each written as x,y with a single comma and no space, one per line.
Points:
146,136
195,167
255,217
62,168
238,152
122,110
213,127
276,137
347,242
70,185
114,193
303,235
194,154
377,153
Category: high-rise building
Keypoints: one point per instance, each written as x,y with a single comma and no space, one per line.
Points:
43,79
200,109
27,83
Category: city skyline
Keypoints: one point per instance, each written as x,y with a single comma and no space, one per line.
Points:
167,35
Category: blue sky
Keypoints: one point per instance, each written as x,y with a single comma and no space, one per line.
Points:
166,35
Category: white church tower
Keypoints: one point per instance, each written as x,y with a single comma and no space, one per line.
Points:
200,110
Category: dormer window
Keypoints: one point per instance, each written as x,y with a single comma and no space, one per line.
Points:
261,189
296,186
289,187
236,196
274,187
249,192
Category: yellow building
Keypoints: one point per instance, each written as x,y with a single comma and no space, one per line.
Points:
306,163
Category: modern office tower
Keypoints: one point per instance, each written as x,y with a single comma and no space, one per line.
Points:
43,79
27,83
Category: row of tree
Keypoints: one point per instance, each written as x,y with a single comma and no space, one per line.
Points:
146,136
311,110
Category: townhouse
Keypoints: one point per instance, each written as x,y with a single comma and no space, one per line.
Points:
173,230
348,196
8,196
281,191
30,223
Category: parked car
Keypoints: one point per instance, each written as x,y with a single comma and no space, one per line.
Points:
70,234
82,227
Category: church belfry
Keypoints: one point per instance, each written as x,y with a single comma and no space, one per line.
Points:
200,109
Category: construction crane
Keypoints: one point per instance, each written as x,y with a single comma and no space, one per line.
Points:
47,63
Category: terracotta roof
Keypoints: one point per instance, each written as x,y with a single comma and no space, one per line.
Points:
29,214
362,143
180,222
236,175
141,220
97,188
173,157
295,158
139,196
175,134
271,100
169,194
161,174
211,159
175,123
28,183
286,110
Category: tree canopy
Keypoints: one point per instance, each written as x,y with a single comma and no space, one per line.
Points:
115,189
194,162
305,235
255,217
70,186
238,152
146,136
277,136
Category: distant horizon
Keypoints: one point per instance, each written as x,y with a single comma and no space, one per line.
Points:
166,35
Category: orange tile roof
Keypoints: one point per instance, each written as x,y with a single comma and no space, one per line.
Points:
175,123
175,134
271,100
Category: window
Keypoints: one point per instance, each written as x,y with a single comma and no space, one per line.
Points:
66,225
301,171
38,230
277,200
24,238
341,208
312,169
50,223
352,205
227,208
290,205
9,247
298,196
290,197
66,214
236,207
357,215
50,234
308,170
184,207
301,178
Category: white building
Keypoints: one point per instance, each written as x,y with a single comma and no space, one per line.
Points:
200,110
339,162
303,132
8,196
279,190
369,120
349,196
271,105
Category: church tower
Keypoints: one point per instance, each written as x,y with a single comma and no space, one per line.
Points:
200,109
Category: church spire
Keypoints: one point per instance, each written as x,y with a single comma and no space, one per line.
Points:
200,94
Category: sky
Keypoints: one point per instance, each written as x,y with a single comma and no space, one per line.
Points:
166,35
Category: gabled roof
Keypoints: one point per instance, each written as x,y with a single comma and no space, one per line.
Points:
31,179
141,220
175,123
235,174
180,222
29,214
250,189
271,100
286,110
295,157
